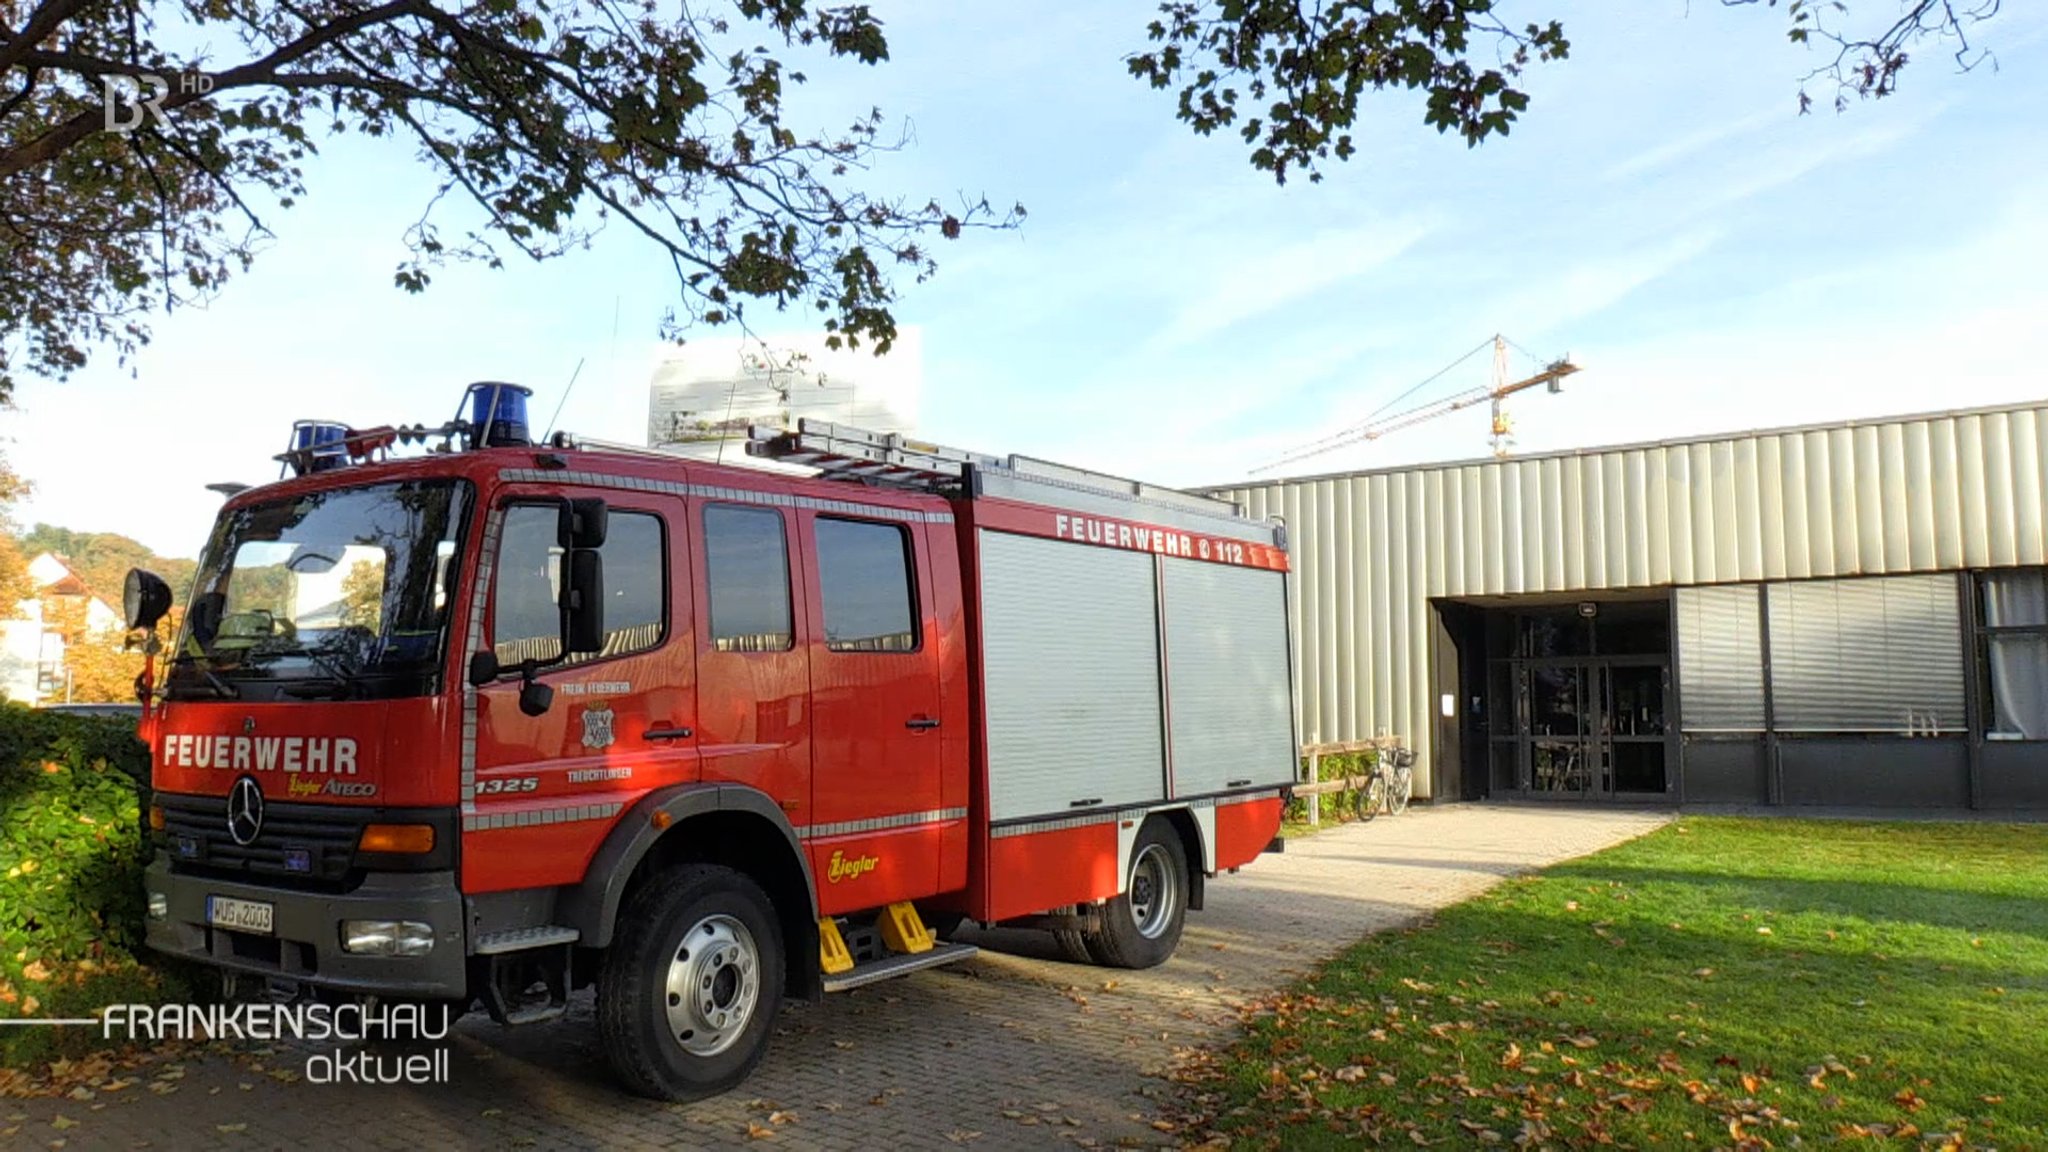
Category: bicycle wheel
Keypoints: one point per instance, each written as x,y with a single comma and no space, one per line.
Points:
1372,796
1402,788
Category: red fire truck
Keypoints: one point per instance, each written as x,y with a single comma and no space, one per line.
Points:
501,720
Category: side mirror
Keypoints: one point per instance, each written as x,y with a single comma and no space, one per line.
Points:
144,599
483,668
535,698
583,603
584,523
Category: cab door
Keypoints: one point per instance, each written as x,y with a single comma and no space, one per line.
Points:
540,792
754,699
878,821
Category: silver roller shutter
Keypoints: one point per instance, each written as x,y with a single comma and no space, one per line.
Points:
1232,716
1070,648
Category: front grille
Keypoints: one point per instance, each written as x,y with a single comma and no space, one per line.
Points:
306,844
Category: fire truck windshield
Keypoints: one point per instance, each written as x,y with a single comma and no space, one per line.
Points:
338,594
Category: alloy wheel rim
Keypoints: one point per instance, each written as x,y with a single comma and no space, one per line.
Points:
713,985
1153,892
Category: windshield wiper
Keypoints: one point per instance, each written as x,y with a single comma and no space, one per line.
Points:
340,683
323,688
221,689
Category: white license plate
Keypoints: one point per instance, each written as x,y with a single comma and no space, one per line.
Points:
240,915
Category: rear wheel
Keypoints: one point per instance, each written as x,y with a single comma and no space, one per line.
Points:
687,996
1142,927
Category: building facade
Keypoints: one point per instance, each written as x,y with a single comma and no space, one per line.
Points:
1851,614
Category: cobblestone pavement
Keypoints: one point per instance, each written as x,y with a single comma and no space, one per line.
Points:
1013,1049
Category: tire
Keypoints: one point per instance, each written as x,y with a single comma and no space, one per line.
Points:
1142,926
707,929
1403,789
1073,942
1372,796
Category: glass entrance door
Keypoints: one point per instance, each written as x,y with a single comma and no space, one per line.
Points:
1564,755
1588,727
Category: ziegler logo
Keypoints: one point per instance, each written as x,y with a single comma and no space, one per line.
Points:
312,786
842,868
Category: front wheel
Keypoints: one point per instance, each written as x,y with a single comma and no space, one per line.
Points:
1142,927
1373,796
689,989
1402,789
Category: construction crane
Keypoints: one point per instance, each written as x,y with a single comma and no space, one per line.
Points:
1383,422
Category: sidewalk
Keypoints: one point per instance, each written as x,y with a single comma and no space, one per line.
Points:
1012,1050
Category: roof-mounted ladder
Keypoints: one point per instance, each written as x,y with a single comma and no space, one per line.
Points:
846,453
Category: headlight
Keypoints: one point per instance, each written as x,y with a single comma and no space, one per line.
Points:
159,906
387,937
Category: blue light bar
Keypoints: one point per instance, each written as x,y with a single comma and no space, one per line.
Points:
497,415
322,443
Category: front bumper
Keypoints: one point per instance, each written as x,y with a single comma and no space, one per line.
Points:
305,945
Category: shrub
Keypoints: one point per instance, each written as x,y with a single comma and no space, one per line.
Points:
72,848
1335,766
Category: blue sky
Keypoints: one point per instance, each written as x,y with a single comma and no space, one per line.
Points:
1713,261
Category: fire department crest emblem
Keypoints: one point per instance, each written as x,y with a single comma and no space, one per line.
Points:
597,726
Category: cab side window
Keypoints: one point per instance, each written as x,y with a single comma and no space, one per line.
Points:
526,618
746,567
865,585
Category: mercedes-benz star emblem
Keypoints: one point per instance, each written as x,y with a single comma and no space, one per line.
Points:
245,811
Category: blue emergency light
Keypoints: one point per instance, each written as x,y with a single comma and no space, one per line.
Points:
322,442
497,415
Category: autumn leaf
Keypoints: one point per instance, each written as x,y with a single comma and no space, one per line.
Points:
1909,1100
60,1123
759,1131
782,1117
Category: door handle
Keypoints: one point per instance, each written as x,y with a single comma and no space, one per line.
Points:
668,734
920,723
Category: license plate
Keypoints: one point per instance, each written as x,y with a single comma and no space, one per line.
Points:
239,915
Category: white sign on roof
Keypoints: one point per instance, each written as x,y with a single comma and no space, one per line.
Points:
705,394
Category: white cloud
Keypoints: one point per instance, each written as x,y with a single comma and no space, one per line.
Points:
1241,282
1673,151
1593,286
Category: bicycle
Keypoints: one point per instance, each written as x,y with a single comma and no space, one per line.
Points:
1391,785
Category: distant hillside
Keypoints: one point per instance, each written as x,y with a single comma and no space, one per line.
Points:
102,559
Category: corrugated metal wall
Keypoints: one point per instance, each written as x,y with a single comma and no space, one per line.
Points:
1959,490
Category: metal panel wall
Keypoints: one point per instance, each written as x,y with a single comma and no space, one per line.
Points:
1875,497
1070,642
1232,717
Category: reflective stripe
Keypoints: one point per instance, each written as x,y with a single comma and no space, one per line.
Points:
713,492
906,820
532,817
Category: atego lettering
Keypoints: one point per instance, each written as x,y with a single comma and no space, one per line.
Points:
321,755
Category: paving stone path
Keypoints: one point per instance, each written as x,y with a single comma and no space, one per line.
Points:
1014,1049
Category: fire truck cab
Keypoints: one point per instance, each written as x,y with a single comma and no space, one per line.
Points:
488,724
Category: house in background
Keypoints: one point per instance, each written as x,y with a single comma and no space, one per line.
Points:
31,640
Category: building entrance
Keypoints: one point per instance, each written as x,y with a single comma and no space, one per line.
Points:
1579,703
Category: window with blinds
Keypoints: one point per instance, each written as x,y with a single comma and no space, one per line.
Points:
1720,659
1883,654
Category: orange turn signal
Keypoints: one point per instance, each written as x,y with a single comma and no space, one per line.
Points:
410,839
662,820
156,818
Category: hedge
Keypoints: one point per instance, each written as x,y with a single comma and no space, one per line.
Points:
1334,766
72,849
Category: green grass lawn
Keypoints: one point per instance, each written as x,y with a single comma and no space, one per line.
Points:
1722,982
